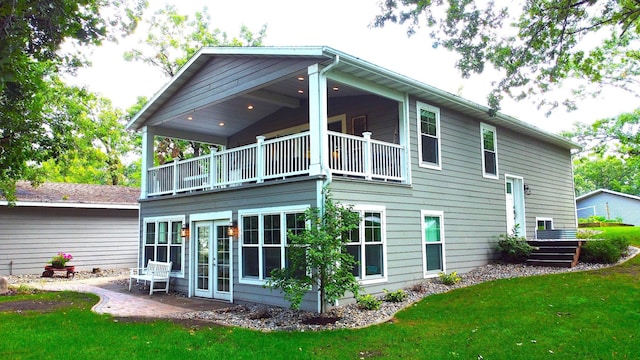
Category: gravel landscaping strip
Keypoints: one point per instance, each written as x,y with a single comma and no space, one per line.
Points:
270,318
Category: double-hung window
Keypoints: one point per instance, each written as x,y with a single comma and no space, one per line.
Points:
489,151
162,241
264,242
367,245
433,261
429,136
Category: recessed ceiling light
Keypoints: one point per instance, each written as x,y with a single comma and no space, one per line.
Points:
300,91
221,123
300,78
250,107
335,88
189,117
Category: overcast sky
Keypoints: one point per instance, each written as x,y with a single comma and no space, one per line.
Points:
343,25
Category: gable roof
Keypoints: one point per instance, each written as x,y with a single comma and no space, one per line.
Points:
355,67
68,195
605,191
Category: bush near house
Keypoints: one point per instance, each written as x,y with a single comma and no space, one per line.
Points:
607,245
513,248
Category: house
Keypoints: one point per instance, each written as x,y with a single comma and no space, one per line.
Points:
611,205
96,224
433,176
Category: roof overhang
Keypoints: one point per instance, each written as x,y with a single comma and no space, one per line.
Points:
358,68
72,205
606,191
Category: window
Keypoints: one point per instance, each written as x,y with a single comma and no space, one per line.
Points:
489,151
544,224
367,245
429,139
264,240
432,242
163,241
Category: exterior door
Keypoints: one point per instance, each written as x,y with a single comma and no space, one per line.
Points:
203,259
212,260
514,195
222,263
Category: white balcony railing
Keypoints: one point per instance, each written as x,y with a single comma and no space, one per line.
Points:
276,158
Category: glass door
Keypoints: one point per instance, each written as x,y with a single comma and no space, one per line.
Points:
222,263
203,259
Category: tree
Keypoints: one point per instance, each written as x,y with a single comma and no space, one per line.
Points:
174,38
536,46
101,145
611,172
610,157
318,256
34,124
171,41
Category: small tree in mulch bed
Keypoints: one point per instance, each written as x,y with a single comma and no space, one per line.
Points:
318,256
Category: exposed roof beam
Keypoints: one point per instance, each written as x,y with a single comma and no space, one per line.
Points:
273,98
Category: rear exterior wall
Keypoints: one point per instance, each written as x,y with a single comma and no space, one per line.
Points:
474,207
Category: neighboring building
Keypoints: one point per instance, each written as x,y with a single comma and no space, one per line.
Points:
611,205
97,224
434,177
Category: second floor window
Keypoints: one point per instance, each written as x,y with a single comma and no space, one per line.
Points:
489,151
429,137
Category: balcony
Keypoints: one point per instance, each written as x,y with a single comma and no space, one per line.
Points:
279,158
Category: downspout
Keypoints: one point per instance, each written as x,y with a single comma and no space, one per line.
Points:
326,171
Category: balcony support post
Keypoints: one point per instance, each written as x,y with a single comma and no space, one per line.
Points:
318,138
148,136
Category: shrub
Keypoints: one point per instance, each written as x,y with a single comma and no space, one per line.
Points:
599,219
513,248
395,296
608,245
369,302
450,279
600,251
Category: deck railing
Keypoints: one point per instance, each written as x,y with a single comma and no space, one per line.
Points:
363,156
276,158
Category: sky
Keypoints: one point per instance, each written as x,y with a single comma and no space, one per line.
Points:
340,24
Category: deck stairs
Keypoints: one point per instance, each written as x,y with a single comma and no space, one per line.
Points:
558,248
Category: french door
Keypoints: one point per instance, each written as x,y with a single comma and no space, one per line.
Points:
212,258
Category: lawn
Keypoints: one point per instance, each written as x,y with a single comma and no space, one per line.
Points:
588,315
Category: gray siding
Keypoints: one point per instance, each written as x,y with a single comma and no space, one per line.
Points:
272,194
610,206
30,236
225,76
474,207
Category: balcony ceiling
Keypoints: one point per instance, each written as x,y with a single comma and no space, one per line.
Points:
231,116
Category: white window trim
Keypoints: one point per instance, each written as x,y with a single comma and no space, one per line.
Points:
282,211
544,219
484,126
361,209
435,110
156,220
433,213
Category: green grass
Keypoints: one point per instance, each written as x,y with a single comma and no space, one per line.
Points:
587,315
632,233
